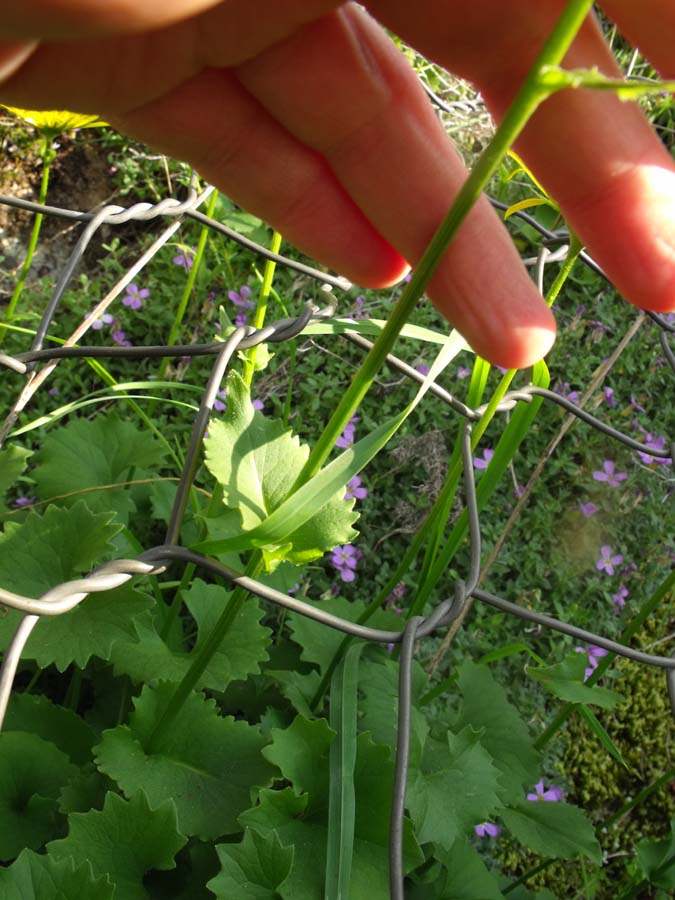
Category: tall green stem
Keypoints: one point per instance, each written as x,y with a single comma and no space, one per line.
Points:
528,98
261,307
47,153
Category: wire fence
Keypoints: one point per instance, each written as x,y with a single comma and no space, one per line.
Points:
36,364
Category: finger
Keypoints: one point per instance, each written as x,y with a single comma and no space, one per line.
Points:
649,25
613,178
54,19
375,127
13,54
212,122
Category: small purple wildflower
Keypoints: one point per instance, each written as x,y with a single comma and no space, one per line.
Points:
242,297
588,509
636,406
519,490
608,394
360,311
354,490
344,558
120,338
563,388
619,598
609,474
484,461
185,258
552,795
397,594
346,439
422,369
594,654
23,501
105,319
53,392
487,829
220,405
135,296
258,404
608,560
581,309
240,319
463,372
598,328
654,443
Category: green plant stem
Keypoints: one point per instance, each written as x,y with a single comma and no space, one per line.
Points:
528,98
189,285
47,153
629,631
177,602
202,658
261,307
646,792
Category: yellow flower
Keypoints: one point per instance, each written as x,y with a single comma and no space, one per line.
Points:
55,121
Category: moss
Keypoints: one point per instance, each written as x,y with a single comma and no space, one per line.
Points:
642,729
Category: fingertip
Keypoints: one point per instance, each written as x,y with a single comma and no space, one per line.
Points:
520,347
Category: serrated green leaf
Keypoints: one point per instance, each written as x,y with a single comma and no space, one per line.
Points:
298,826
13,460
565,680
207,764
297,514
257,461
379,705
124,840
32,772
467,877
149,658
455,787
92,628
301,752
89,453
552,829
86,790
255,869
34,877
36,714
504,734
319,644
656,859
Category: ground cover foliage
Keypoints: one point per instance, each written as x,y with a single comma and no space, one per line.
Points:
274,780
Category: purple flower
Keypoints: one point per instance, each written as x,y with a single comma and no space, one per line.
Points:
344,559
240,319
607,561
609,474
588,509
619,598
135,296
105,319
354,490
360,311
484,461
519,490
463,372
242,297
220,405
120,338
346,439
258,404
598,328
594,654
422,369
53,392
552,795
563,388
636,406
397,594
487,829
185,258
23,501
654,443
609,396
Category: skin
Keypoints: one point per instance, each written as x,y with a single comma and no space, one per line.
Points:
305,113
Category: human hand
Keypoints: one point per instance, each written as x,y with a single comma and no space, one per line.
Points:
308,116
